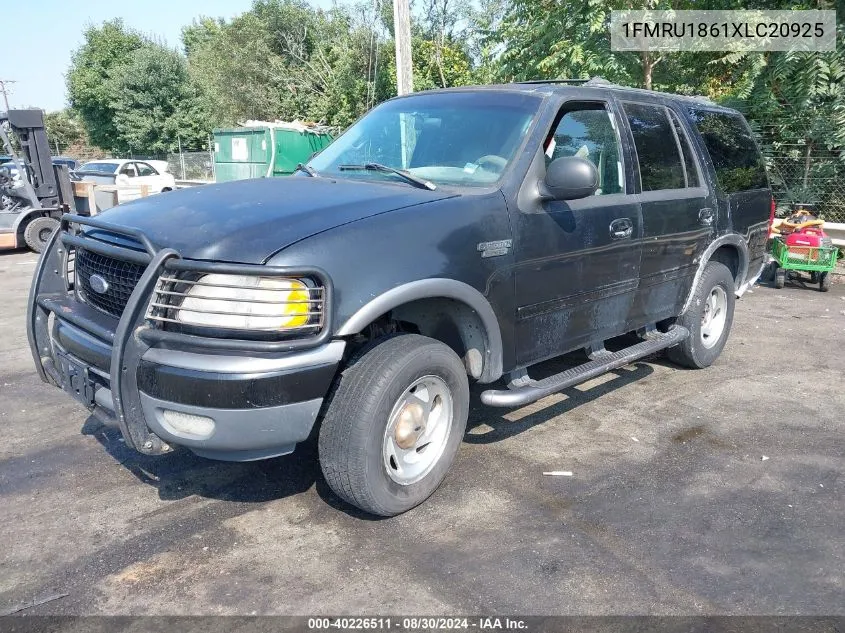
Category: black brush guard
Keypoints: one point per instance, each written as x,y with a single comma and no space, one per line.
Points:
133,336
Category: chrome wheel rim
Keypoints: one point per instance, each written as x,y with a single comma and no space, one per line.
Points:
417,430
714,316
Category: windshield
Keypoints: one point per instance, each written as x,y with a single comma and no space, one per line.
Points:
459,138
100,168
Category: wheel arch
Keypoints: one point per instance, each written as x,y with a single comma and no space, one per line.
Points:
25,218
731,250
444,309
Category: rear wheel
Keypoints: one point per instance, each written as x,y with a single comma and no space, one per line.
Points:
38,232
708,319
780,278
824,281
394,424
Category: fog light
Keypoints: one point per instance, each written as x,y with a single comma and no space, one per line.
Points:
197,427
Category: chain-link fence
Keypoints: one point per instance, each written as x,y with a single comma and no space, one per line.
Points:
192,166
809,177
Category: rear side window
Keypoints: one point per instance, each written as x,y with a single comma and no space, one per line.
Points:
686,151
657,150
738,163
145,170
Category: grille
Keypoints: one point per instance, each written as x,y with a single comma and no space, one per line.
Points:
120,275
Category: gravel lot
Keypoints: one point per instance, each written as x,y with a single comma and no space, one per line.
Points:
694,492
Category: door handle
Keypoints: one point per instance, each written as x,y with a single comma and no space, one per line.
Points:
705,216
621,229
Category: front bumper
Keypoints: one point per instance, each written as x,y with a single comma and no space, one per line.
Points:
239,402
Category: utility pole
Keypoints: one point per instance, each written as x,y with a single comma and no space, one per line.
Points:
402,31
3,89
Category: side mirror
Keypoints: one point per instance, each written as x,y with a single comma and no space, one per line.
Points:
569,178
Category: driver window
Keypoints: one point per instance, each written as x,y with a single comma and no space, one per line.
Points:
587,131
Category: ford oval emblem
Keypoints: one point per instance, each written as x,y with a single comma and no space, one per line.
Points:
98,284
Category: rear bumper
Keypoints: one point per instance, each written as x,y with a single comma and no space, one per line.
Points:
222,404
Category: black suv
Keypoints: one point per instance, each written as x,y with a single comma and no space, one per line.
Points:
447,237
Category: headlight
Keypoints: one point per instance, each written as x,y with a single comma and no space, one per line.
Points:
240,302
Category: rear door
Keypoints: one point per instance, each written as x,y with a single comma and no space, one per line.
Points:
743,196
577,260
147,175
678,211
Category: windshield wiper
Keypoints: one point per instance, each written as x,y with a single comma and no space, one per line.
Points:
417,182
307,169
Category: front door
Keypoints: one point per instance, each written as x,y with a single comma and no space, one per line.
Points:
578,260
679,216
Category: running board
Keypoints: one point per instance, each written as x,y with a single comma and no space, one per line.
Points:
536,389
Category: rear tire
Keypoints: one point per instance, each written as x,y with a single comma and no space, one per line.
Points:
708,319
780,278
38,232
394,424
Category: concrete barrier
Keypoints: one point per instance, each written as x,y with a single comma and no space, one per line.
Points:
836,231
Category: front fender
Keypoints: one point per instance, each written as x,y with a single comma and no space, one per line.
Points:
436,289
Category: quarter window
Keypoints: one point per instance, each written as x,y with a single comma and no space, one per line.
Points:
588,132
738,163
657,151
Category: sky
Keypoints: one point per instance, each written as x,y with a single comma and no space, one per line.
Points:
41,35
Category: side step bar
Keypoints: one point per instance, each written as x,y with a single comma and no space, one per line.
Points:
536,389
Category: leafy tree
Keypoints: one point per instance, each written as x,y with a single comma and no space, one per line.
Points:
64,129
796,103
104,53
155,105
135,95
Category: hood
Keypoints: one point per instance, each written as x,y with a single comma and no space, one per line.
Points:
248,220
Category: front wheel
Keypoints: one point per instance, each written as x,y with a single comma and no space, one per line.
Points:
708,319
394,424
38,232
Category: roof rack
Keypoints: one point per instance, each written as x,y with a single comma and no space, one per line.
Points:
553,81
593,81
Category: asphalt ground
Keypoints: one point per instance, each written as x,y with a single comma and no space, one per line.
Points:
692,492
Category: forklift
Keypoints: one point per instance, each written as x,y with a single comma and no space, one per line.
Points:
34,193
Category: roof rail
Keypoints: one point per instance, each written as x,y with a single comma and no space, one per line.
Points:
592,81
553,81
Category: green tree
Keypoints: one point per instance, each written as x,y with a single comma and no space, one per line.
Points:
155,104
64,130
105,52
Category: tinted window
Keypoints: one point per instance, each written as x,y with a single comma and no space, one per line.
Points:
739,166
588,133
657,151
686,151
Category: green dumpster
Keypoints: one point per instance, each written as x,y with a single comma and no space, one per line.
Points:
263,149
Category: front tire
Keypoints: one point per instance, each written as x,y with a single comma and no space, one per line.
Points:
38,232
708,319
394,424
